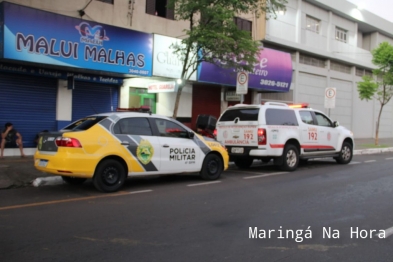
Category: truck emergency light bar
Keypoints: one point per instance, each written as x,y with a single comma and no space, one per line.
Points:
302,105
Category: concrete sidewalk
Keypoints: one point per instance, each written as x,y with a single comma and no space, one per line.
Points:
20,172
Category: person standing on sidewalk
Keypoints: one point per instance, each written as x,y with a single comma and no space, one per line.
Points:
11,137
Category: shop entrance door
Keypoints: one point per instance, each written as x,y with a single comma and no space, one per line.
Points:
139,97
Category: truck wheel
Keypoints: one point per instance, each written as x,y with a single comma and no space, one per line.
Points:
345,155
290,158
109,176
71,180
244,162
212,167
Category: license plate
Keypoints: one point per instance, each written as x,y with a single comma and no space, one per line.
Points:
43,163
237,150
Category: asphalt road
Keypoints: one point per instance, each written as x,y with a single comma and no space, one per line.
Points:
182,218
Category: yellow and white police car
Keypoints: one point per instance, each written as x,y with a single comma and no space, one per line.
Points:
110,147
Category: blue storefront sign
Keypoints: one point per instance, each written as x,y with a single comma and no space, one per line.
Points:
42,37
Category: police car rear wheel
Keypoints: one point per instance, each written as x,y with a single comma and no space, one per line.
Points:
212,167
345,155
73,180
290,159
109,176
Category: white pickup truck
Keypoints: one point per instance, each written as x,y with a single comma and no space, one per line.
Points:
284,134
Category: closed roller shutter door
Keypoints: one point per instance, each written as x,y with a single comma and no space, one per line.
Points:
92,98
29,103
205,101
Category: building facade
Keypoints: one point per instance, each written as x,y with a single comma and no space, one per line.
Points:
330,42
63,61
123,61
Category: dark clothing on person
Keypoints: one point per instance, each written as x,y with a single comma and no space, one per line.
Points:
11,136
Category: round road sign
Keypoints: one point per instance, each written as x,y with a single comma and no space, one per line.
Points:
330,92
242,78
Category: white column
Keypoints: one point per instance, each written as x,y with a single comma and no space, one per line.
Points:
63,104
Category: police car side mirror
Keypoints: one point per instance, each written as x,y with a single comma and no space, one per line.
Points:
336,123
191,134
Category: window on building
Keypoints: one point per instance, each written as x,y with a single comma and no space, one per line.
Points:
107,1
159,8
339,67
362,72
313,24
312,61
368,73
243,24
341,35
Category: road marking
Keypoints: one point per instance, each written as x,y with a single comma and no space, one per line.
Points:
265,175
369,161
389,158
388,232
205,184
74,199
354,163
249,172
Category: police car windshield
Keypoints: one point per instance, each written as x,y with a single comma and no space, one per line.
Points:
84,123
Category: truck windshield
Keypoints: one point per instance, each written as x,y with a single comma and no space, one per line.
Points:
245,114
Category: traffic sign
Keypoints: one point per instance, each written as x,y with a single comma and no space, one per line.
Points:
330,97
242,83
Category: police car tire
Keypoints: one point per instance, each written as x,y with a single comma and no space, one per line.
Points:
244,162
290,158
109,176
212,167
345,155
71,180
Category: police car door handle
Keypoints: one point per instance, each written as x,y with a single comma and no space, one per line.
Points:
165,145
125,143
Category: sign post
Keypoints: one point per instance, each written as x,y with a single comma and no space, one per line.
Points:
242,84
330,98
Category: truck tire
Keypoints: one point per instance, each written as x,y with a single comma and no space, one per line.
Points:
290,158
345,155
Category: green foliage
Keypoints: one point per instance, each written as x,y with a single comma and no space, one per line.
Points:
380,86
213,34
367,88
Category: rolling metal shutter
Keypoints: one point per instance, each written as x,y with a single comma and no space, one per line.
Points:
205,101
29,102
92,98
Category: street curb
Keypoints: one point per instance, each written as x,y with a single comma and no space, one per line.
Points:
370,151
48,181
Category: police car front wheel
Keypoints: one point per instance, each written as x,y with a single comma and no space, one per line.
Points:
110,176
212,167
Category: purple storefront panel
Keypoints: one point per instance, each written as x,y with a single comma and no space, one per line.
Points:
272,72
